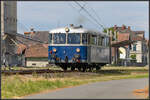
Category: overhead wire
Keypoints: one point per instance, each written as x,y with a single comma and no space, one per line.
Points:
23,25
96,14
89,14
83,15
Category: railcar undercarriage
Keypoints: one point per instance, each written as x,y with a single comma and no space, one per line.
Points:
81,66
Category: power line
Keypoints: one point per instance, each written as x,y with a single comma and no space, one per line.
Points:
23,25
89,14
83,15
96,14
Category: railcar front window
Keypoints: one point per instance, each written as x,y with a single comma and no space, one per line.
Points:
84,38
74,38
50,38
59,38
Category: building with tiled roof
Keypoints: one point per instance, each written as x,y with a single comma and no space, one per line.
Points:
40,35
31,52
38,50
138,48
37,55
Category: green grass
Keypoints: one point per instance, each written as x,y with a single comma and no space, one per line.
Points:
18,85
14,87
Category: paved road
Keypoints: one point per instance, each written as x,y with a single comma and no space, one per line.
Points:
114,89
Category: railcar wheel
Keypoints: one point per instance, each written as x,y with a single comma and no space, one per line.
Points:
98,68
72,68
83,69
64,68
90,69
79,68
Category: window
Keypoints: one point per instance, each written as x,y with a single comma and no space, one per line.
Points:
33,63
74,38
100,41
93,40
106,41
134,47
103,41
50,39
84,38
59,38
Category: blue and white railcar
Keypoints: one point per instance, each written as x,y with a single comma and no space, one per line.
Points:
77,47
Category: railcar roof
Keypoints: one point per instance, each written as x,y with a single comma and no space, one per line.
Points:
75,30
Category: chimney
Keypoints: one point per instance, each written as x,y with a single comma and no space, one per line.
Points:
32,31
129,28
115,27
123,27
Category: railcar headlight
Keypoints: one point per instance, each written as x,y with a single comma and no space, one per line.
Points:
54,50
77,50
67,29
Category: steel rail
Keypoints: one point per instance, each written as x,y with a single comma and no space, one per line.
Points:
37,71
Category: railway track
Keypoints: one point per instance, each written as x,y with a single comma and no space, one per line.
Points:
11,72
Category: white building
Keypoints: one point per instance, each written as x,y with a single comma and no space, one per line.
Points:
138,49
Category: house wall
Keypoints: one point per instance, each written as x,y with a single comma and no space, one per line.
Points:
141,51
36,63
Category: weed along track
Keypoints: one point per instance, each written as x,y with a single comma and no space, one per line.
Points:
38,71
103,71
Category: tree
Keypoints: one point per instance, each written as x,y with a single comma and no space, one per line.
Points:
133,56
111,32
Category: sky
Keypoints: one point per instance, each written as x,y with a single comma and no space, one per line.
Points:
47,15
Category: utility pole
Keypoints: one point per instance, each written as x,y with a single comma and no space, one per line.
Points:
8,25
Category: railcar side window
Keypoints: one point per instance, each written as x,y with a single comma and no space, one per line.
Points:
93,39
103,41
59,38
107,41
84,38
99,41
74,38
50,38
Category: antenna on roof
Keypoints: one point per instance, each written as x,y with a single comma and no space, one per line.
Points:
80,26
71,25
